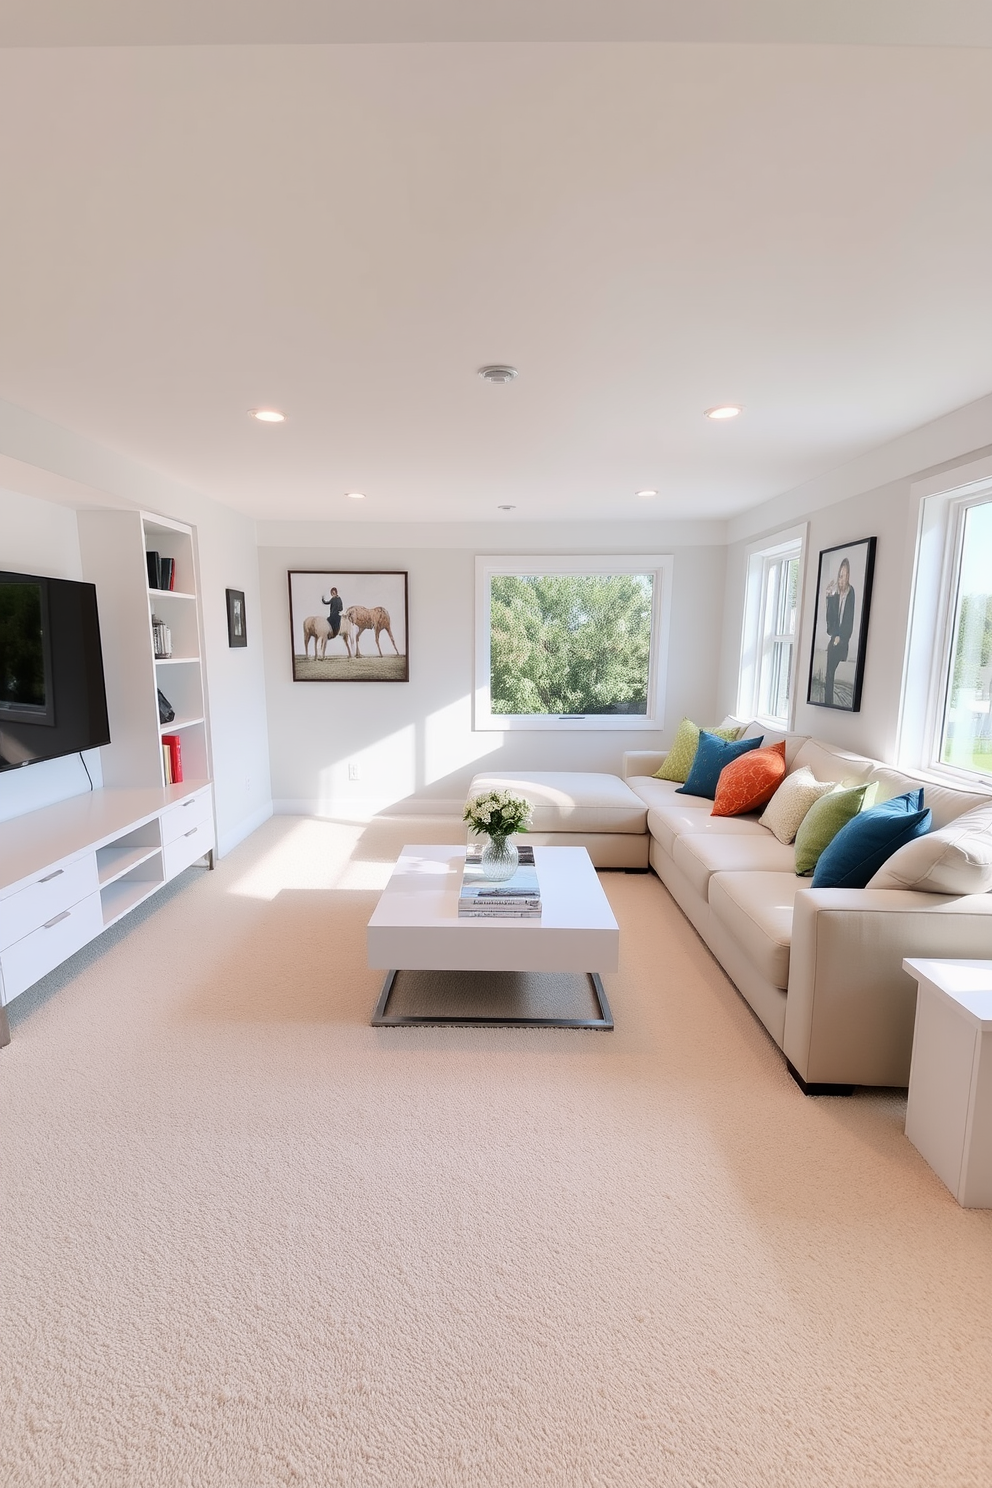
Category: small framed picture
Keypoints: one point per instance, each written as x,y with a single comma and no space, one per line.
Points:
349,625
840,632
237,635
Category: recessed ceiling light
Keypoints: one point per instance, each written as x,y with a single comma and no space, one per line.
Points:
355,495
724,411
497,373
267,415
645,494
507,508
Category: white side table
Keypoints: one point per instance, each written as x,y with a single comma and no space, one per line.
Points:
949,1115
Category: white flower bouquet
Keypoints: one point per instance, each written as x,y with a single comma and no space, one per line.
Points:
497,814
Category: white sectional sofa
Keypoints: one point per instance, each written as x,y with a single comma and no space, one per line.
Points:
821,968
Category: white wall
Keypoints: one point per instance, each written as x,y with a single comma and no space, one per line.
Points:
414,742
847,507
41,536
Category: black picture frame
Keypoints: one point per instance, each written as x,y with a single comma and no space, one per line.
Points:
237,633
341,655
840,626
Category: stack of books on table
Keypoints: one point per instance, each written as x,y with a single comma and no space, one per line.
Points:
518,898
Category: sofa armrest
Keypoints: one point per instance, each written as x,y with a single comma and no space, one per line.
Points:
642,762
851,1008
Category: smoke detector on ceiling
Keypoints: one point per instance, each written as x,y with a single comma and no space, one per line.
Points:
497,373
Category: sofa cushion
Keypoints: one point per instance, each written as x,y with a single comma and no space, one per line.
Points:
756,909
711,757
944,801
571,801
829,763
671,815
749,782
700,856
956,859
785,811
793,742
824,820
863,845
678,761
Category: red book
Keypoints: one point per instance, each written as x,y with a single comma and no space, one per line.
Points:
174,745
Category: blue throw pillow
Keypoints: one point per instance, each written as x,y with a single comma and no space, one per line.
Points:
711,755
863,844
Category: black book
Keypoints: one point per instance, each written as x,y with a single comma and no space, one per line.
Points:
154,570
167,568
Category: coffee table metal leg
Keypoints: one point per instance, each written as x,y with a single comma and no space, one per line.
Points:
603,1024
379,1019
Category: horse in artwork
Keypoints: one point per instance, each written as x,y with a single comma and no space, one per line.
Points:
376,619
318,629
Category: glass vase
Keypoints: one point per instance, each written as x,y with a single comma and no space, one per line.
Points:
499,859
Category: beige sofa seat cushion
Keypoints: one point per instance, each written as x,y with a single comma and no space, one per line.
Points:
700,856
571,800
671,816
756,910
828,763
944,801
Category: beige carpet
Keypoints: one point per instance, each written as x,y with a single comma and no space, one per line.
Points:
249,1240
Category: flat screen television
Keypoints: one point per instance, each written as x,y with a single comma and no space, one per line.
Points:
53,700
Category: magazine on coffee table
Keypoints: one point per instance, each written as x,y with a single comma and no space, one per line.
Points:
518,897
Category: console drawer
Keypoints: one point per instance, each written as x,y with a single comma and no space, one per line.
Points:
177,820
34,955
51,892
194,842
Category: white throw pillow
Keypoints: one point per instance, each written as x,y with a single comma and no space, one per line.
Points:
957,859
785,811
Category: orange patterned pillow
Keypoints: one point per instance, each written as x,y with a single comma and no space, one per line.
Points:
749,781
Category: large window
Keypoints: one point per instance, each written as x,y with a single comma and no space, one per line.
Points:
964,724
768,637
571,642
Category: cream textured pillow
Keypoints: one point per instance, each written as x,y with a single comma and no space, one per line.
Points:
785,811
956,859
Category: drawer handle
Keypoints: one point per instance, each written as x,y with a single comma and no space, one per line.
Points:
49,876
190,802
63,916
192,832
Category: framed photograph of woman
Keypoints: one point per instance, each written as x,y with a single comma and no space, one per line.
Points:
840,633
349,625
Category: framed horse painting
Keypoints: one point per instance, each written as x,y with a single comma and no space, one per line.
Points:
349,625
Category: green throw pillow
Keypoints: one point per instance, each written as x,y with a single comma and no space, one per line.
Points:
678,760
824,820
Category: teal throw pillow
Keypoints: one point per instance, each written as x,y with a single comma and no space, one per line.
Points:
862,846
711,756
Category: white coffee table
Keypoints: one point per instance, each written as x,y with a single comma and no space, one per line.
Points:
416,927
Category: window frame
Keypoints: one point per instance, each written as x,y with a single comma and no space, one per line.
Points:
660,565
936,584
756,639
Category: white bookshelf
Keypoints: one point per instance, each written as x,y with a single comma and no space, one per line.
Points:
114,544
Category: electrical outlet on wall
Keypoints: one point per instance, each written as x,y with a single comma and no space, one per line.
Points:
354,773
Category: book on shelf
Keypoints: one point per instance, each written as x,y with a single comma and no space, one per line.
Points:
173,743
518,897
167,764
161,639
167,573
154,563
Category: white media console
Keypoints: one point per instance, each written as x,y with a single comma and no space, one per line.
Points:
70,871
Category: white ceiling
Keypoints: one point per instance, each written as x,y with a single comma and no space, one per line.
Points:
348,232
149,22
